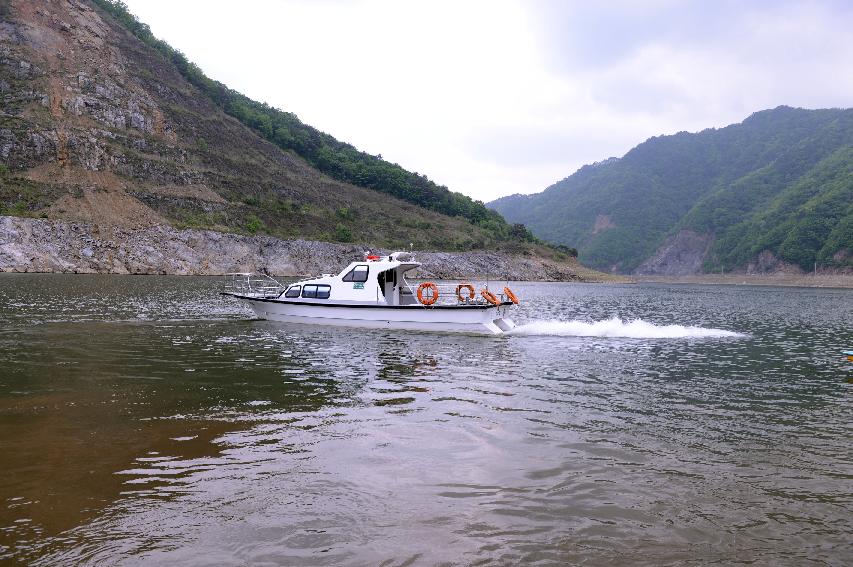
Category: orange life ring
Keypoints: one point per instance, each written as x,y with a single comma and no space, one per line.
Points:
510,295
490,297
427,300
462,286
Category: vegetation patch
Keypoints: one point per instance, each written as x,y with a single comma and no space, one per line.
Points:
24,198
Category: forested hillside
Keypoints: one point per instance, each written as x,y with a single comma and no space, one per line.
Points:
773,190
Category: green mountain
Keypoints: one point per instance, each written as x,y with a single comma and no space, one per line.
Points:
772,192
103,123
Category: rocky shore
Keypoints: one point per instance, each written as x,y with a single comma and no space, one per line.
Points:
785,279
41,245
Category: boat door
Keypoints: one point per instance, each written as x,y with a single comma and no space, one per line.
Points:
388,284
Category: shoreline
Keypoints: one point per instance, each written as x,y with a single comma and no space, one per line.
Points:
839,281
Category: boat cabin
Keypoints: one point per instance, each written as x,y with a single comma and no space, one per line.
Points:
375,280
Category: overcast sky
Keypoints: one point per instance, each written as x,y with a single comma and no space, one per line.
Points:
497,97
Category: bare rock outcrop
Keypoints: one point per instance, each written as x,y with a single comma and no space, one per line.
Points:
41,245
681,255
767,263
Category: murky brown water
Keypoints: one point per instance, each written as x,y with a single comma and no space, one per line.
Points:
146,420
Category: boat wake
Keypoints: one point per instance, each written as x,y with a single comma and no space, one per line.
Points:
617,328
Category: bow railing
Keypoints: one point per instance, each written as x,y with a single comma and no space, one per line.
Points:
252,284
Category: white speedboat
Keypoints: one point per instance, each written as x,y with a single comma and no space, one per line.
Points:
374,293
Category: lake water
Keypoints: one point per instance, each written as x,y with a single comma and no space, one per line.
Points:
147,420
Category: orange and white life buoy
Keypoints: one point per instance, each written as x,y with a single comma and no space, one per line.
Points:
490,297
459,289
510,295
431,298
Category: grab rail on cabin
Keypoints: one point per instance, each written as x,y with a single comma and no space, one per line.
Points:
252,284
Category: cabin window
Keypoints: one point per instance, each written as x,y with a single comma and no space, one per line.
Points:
357,274
293,291
316,291
309,291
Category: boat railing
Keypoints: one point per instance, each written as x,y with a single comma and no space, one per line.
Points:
450,293
252,284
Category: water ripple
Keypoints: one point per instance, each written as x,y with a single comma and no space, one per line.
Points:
644,424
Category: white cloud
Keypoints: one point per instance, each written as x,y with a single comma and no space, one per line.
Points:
499,97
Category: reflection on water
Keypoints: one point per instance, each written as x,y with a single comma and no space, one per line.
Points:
147,420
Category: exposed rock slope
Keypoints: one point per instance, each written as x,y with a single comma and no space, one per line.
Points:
680,255
103,138
38,245
98,127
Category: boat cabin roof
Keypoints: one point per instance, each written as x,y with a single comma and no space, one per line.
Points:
401,261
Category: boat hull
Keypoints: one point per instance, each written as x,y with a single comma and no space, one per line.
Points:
490,320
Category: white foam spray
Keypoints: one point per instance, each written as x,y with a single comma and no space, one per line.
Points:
616,327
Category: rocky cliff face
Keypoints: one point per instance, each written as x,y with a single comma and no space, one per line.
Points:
86,108
111,162
680,255
767,263
685,253
39,245
96,127
71,103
